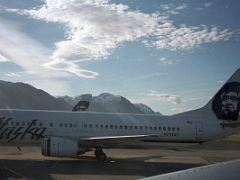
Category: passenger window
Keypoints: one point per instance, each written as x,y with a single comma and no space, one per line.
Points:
101,126
111,126
120,127
70,125
90,125
136,127
115,126
60,124
169,129
178,129
164,128
106,126
125,127
51,124
150,128
159,128
96,126
140,127
66,125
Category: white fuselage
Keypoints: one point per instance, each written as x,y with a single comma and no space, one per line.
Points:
28,127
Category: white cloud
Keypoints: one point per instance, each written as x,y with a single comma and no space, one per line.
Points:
17,47
164,62
147,76
180,109
168,9
181,7
193,98
3,58
220,81
207,4
30,55
187,38
95,28
70,67
175,99
34,58
13,75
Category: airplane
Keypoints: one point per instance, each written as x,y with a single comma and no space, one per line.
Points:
221,171
70,134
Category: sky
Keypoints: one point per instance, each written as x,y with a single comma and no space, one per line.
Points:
171,55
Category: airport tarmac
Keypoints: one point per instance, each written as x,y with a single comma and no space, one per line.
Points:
124,164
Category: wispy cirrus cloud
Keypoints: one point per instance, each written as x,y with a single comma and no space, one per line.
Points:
95,28
173,98
174,9
165,62
18,47
204,6
13,75
187,38
29,55
207,4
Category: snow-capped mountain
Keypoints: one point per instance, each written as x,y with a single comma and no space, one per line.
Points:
24,96
107,102
144,108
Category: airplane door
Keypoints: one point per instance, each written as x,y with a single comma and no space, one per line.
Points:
199,130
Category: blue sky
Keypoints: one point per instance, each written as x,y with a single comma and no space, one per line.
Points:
170,55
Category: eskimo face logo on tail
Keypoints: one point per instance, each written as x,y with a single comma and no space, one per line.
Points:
226,104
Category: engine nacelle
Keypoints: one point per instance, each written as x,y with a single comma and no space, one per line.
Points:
57,146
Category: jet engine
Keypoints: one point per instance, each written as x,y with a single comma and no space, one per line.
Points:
57,146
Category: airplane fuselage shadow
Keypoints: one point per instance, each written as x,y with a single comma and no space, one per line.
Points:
44,169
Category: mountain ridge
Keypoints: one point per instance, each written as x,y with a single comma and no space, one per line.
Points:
107,102
21,95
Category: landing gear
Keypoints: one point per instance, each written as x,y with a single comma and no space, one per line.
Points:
100,155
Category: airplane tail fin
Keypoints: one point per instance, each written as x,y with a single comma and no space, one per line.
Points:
226,103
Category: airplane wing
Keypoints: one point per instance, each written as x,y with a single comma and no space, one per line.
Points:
114,139
221,171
